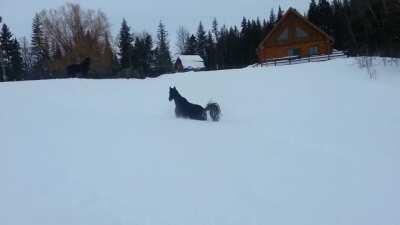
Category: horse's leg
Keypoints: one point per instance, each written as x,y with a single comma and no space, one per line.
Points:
204,114
177,112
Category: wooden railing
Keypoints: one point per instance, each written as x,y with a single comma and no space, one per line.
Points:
297,59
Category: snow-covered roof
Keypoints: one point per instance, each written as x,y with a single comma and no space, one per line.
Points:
191,61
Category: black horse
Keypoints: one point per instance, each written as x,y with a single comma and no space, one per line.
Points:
185,109
81,69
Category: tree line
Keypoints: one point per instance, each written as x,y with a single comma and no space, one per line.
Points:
69,34
363,27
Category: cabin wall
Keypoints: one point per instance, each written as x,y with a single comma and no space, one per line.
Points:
275,48
178,66
324,48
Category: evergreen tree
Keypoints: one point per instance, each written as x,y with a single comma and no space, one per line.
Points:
142,51
272,17
7,47
325,16
125,45
210,58
280,14
148,54
39,49
11,56
245,38
312,13
201,41
191,46
163,61
16,62
215,31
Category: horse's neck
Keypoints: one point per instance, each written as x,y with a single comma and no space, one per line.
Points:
179,99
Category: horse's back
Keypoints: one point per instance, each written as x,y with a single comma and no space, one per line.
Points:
186,109
197,112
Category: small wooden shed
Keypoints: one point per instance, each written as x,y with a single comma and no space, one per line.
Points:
186,63
294,36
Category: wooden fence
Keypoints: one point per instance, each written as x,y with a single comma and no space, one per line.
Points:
291,60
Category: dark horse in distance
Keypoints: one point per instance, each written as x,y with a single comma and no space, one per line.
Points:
81,69
185,109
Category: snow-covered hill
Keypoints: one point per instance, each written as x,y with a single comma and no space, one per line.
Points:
309,144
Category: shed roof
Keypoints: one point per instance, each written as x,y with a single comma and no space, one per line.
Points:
191,61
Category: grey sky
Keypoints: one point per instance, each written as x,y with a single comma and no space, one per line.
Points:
145,14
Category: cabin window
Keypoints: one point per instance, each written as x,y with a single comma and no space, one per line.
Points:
313,51
300,33
294,52
284,35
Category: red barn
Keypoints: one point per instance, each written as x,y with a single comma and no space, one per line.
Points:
294,35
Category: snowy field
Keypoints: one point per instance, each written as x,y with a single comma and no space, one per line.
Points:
310,144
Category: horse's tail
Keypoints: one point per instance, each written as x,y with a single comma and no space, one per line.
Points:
215,111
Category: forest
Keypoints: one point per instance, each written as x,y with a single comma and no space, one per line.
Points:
70,33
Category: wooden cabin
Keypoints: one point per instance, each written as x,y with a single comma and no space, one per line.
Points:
294,36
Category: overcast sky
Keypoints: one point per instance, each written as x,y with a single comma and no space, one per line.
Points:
145,14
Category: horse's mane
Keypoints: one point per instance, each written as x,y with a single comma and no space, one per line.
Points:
180,97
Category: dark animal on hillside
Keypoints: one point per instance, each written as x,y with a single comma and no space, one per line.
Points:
81,69
185,109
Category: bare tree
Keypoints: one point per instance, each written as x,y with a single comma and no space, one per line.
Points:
78,34
367,63
26,55
182,36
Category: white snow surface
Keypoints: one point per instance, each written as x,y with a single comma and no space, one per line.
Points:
192,62
309,144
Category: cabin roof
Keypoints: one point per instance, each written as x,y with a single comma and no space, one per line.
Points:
191,61
292,11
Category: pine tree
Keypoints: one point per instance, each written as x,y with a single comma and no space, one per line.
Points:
272,17
312,13
16,63
201,41
143,50
7,47
325,16
191,46
125,45
210,58
36,43
215,31
148,54
163,61
11,56
280,14
270,23
40,49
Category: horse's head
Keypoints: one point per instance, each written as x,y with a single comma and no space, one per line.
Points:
173,93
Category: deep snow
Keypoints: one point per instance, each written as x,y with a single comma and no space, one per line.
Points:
307,144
